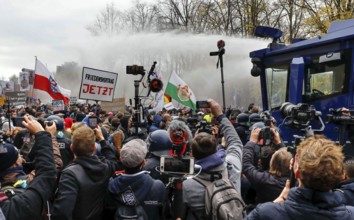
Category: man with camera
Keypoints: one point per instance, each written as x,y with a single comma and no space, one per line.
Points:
30,203
83,183
319,168
268,183
214,161
134,193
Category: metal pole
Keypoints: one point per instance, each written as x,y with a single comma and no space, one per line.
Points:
96,107
136,113
222,80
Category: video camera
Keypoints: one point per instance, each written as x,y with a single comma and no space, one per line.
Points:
265,137
204,126
264,117
336,116
135,70
299,115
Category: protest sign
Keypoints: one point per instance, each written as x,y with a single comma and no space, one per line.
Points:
58,105
6,86
97,85
16,98
73,100
23,80
118,105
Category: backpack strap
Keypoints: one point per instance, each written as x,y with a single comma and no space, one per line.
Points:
3,197
213,176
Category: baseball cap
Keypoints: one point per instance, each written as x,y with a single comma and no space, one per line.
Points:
133,153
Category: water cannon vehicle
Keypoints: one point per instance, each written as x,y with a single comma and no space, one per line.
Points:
303,80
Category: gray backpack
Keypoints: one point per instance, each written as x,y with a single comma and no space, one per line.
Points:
222,201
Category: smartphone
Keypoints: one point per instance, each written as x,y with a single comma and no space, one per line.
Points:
184,165
92,122
203,104
18,122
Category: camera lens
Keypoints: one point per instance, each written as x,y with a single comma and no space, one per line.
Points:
286,109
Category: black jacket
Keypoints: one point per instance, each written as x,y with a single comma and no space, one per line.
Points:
82,186
30,204
267,186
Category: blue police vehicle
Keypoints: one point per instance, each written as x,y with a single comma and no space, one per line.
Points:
304,83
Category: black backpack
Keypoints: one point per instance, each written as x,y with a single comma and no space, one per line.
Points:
131,209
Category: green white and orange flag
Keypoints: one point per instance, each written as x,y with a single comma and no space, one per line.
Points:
178,90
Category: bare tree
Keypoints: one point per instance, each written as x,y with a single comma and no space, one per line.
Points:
142,17
109,21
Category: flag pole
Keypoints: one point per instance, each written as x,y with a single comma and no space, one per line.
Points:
32,88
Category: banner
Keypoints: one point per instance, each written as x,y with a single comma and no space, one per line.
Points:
23,80
97,85
178,90
44,80
58,105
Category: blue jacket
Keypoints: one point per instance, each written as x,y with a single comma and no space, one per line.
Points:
347,192
149,193
304,203
156,123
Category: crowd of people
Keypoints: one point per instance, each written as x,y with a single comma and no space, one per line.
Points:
85,163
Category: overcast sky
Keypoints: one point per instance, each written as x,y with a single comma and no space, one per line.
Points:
47,29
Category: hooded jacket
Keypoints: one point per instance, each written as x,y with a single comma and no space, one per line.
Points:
304,203
82,186
347,191
230,159
148,193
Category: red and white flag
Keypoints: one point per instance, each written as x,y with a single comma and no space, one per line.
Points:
44,80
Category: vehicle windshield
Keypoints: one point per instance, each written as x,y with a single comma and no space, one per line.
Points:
325,76
276,80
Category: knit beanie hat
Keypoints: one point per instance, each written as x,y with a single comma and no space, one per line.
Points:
8,156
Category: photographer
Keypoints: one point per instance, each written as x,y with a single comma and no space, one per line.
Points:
134,193
29,204
213,159
319,168
267,183
83,183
